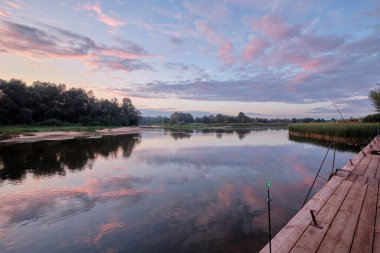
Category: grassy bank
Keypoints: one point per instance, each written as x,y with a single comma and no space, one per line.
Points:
11,131
354,132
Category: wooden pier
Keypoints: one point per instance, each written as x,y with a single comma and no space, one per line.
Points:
347,211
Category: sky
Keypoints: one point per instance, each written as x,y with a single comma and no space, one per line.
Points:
266,58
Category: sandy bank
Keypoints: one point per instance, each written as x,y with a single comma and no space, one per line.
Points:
63,135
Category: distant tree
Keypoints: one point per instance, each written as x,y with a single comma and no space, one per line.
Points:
24,116
130,115
242,118
219,118
180,118
154,120
174,118
205,120
374,96
372,118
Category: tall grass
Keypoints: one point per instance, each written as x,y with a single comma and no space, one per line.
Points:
363,131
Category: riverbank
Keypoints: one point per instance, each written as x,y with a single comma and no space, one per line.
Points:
335,132
30,134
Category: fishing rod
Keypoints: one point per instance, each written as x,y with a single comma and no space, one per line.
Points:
268,185
341,115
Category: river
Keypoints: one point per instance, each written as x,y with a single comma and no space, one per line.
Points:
156,191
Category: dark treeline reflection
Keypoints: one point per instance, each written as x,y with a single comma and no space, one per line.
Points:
346,147
180,135
52,158
240,133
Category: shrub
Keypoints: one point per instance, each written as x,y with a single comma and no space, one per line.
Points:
51,122
372,118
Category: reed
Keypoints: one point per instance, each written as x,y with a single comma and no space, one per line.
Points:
363,131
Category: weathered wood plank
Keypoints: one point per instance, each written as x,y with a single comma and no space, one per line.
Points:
363,239
351,177
339,223
376,240
372,167
362,166
289,235
341,232
313,236
377,176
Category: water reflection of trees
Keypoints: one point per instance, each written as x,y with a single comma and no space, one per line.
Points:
339,146
55,158
219,132
180,135
240,132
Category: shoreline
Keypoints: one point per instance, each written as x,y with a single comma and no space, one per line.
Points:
68,135
323,137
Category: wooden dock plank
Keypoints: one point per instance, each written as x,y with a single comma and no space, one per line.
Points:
377,176
347,207
313,236
372,167
289,235
362,165
363,239
376,240
341,232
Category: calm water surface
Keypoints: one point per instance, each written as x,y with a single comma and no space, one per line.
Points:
154,192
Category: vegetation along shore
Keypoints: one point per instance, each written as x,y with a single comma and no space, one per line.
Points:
336,132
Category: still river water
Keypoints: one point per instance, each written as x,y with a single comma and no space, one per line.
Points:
154,192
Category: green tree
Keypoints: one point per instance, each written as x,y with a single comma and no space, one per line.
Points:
374,95
180,118
242,118
43,102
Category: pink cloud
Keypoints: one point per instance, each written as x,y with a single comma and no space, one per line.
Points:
4,13
226,52
312,64
301,169
226,194
226,48
110,21
106,229
275,27
122,193
123,54
57,43
14,4
86,196
254,48
251,197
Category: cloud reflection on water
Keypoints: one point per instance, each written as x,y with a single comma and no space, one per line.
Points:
183,198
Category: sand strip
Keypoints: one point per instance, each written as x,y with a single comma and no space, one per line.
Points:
63,135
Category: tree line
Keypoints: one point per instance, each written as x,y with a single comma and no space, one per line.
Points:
186,118
53,104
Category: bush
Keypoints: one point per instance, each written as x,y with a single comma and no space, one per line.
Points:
51,122
372,118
